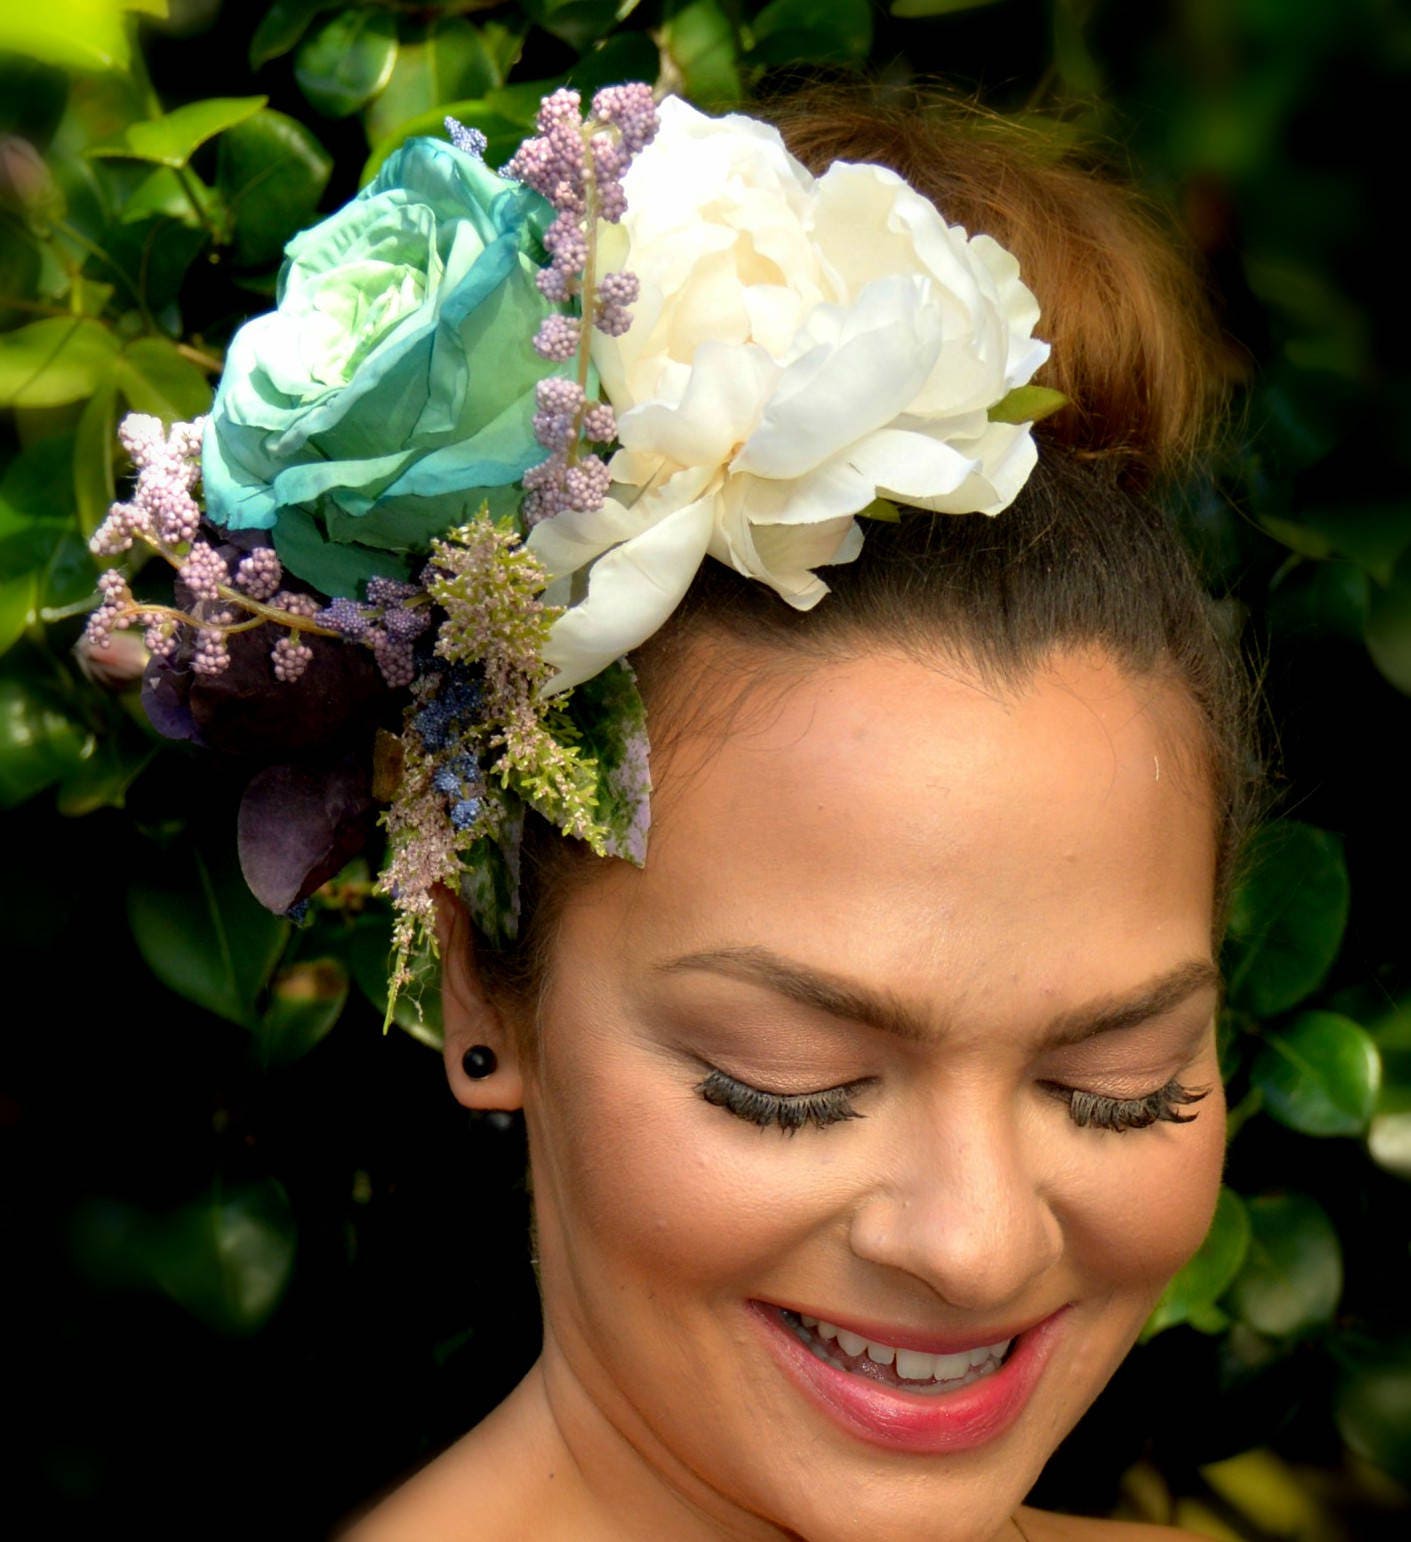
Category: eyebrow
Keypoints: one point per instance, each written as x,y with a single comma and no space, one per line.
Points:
841,998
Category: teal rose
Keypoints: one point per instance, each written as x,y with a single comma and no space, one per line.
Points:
392,391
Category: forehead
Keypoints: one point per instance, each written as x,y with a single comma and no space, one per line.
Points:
909,824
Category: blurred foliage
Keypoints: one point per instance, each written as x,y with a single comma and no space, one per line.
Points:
225,1187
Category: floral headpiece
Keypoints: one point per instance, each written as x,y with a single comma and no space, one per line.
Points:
493,428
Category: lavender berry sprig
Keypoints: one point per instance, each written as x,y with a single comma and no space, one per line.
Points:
578,166
163,514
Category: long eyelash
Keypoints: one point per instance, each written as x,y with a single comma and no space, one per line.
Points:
1121,1114
789,1111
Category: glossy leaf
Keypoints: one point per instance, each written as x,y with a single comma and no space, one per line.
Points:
38,742
418,1008
345,61
272,172
51,362
306,1000
95,447
226,1259
1389,626
1320,1075
174,137
699,40
909,9
627,56
1287,917
578,22
176,196
102,778
1373,1405
448,63
17,601
801,31
202,932
156,378
1195,1290
1291,1278
282,25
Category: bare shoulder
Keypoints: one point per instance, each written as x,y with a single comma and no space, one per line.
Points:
480,1489
1048,1526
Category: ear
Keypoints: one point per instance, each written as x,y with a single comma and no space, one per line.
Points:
469,1015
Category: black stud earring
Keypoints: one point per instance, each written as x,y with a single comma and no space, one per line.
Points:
478,1061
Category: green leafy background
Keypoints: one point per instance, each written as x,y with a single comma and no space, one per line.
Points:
229,1202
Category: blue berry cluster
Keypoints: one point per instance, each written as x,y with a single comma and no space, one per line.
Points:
444,725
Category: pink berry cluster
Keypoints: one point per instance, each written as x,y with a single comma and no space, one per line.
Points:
162,510
579,168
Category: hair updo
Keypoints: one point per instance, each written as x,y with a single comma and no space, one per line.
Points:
1085,557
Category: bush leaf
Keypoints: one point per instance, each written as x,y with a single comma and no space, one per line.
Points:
1320,1075
1286,918
1291,1278
174,137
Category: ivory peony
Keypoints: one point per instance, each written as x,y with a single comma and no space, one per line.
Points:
801,347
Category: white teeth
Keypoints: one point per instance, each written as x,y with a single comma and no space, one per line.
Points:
911,1364
951,1367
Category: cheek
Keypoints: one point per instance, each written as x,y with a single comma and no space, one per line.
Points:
1138,1210
635,1170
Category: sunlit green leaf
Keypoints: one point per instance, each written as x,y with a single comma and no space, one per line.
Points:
306,1000
54,361
1319,1075
172,138
1291,1278
801,31
75,34
345,61
154,377
449,62
95,446
17,601
1194,1291
203,933
176,196
1286,918
226,1259
699,40
1027,404
38,742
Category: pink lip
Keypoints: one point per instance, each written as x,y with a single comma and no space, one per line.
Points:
912,1421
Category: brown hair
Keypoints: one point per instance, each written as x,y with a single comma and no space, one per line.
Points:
1085,557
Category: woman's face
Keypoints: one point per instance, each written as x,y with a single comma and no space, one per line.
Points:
957,907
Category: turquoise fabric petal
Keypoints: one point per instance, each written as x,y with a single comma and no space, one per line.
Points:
332,568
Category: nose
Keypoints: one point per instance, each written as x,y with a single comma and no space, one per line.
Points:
965,1205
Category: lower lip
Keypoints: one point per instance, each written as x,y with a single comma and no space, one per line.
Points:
912,1421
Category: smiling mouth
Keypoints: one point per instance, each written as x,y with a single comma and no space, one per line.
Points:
889,1365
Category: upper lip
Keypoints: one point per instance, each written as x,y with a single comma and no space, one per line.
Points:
919,1339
